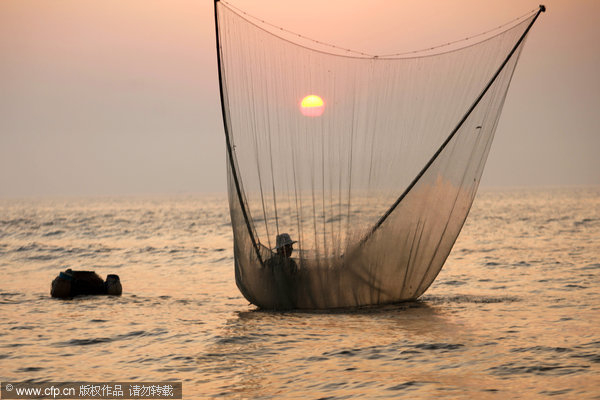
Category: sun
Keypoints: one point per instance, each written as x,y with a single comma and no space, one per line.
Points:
312,106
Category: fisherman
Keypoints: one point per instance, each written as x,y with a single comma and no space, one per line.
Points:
283,260
283,271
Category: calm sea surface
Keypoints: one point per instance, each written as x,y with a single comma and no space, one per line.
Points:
515,313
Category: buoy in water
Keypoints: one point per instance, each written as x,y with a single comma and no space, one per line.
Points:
74,283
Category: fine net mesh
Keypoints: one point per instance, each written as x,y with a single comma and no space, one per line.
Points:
331,175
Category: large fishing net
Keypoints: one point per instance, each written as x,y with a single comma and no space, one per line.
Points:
373,175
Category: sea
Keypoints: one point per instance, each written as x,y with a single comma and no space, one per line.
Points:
514,313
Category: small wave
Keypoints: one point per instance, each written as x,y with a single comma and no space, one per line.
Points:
17,221
192,321
522,264
591,266
454,283
84,342
555,392
541,349
439,346
56,249
584,221
22,327
29,369
592,357
469,299
406,385
220,260
234,339
11,298
350,353
591,344
469,251
99,340
574,286
27,247
184,358
43,257
132,334
53,233
556,219
491,264
543,369
317,359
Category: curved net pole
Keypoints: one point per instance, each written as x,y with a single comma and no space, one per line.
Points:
383,218
228,143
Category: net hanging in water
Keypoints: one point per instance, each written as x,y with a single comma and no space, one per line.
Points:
370,163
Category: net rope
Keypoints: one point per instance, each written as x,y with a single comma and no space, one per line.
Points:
492,32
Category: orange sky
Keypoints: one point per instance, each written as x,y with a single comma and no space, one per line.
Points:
113,97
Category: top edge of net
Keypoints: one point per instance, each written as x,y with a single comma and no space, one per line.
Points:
349,53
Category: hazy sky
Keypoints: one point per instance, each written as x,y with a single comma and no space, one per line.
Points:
121,96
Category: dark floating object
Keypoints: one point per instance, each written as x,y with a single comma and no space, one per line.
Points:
74,283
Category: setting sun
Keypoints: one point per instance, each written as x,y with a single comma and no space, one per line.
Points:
312,106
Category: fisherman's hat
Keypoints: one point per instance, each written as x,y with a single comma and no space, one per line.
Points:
283,240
